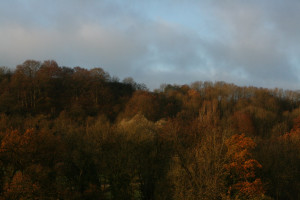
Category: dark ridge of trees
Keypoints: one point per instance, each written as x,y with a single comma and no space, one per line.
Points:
74,133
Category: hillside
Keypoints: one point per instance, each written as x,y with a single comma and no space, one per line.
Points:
74,133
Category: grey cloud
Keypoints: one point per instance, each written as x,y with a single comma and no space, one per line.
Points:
245,42
250,43
125,44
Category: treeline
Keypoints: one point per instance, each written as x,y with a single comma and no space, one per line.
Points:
73,133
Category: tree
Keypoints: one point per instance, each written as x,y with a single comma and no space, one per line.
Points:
21,187
243,123
144,103
150,155
28,160
25,85
242,181
197,170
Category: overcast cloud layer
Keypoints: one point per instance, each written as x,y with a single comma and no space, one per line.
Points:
243,42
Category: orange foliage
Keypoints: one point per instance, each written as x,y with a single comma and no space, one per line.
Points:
294,134
250,189
20,187
14,141
242,166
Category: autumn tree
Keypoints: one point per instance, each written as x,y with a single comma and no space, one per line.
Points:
29,159
198,162
25,85
151,170
51,87
279,156
241,167
243,123
144,103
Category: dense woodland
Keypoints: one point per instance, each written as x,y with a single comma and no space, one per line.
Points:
74,133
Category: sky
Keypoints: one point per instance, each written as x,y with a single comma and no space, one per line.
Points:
245,42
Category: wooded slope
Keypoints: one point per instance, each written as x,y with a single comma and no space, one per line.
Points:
73,133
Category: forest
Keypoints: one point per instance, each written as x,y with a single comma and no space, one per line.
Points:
76,133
